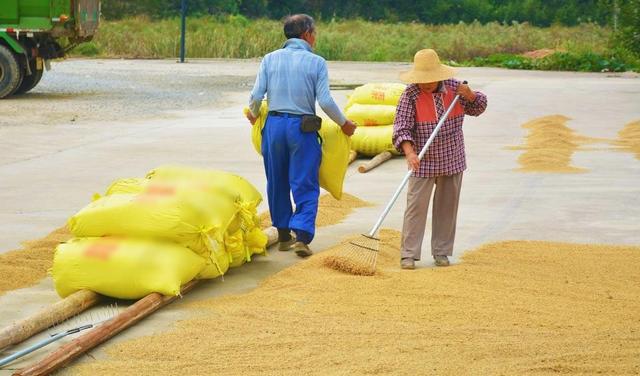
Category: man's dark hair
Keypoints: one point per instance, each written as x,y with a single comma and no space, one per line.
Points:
298,24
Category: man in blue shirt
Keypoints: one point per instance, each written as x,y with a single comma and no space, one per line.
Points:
293,78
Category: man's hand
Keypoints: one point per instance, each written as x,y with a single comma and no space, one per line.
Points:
348,128
252,119
465,91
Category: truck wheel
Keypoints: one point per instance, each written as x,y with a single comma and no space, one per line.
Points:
29,82
10,74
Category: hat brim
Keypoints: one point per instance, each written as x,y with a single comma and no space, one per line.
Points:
443,72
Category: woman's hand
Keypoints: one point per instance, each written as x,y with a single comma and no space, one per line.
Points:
465,91
410,154
412,161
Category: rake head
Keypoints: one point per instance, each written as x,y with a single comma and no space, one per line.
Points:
359,257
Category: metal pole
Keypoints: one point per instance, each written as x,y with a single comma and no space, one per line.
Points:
183,16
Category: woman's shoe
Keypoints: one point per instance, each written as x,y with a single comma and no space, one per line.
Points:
441,260
408,263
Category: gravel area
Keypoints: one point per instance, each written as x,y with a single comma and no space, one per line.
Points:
98,90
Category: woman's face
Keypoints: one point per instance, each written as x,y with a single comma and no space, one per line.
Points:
429,87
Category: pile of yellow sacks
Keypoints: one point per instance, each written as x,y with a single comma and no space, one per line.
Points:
157,233
335,151
373,108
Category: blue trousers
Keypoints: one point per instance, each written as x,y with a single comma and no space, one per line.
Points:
292,163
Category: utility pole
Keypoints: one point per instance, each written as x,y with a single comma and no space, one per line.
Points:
616,12
183,17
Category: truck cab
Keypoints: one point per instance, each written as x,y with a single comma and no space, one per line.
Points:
30,34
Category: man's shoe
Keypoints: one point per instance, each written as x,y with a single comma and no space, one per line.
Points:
286,246
441,260
301,249
408,263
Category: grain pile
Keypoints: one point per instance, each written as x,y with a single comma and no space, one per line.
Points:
516,307
629,138
26,266
330,210
550,145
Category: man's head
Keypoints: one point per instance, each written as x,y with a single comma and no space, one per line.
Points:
300,26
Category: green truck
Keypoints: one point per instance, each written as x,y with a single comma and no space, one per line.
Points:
32,32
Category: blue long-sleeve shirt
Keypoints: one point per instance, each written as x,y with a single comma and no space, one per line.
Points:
293,78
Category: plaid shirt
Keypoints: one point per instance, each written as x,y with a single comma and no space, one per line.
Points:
417,116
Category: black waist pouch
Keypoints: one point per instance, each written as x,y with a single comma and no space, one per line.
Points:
311,123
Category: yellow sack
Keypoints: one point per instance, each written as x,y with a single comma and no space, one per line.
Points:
217,180
371,114
126,185
236,249
335,157
123,268
241,245
216,265
193,218
383,93
256,129
335,152
371,141
249,196
256,240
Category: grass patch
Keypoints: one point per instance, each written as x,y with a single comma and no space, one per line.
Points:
587,46
559,61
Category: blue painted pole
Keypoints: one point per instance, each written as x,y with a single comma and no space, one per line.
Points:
43,343
183,16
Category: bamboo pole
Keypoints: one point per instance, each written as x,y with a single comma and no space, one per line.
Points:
48,317
352,156
272,235
68,307
134,313
375,162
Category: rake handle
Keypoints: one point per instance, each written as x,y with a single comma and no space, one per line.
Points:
395,196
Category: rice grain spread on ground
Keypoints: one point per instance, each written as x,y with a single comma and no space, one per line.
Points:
513,307
330,210
549,145
629,138
26,266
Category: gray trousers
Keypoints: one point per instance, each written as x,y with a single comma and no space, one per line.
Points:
444,215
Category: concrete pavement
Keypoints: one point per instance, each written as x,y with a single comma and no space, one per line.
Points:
49,171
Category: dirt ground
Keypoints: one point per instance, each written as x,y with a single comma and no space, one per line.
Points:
80,130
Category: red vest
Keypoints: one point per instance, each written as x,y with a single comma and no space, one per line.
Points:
426,107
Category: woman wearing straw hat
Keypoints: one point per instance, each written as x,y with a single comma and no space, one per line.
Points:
430,92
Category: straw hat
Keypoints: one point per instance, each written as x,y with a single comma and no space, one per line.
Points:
427,68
